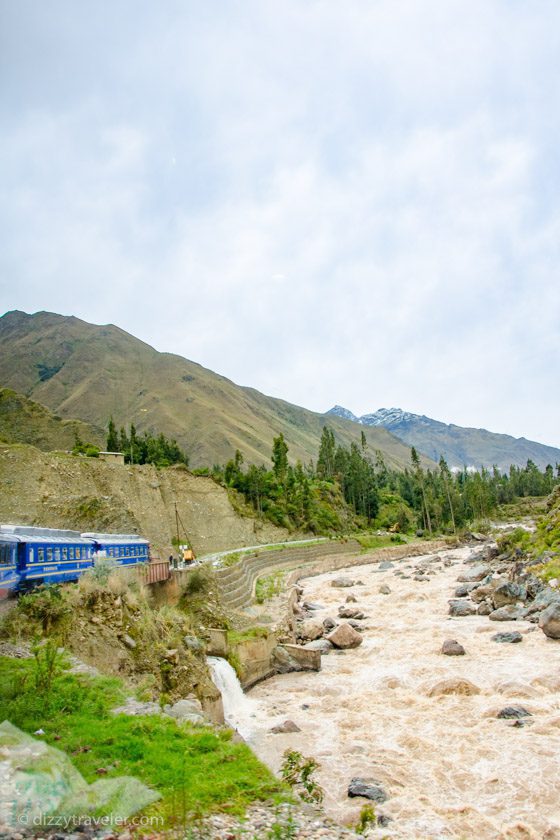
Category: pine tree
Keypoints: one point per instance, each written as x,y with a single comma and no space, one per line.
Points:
280,457
112,437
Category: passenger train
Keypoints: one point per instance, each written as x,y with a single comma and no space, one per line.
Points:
32,556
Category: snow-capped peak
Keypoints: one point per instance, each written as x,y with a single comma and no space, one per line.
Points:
340,411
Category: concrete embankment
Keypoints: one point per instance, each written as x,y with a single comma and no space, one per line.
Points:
237,583
262,656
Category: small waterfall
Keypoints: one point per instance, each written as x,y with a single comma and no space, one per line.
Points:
239,710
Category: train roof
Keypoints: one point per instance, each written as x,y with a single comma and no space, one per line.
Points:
9,538
34,531
114,538
43,540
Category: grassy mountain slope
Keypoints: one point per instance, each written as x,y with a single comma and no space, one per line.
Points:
92,372
25,421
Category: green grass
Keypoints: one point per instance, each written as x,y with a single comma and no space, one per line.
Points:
372,541
236,637
197,770
268,586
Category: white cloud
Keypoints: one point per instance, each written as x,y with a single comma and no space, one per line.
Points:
349,204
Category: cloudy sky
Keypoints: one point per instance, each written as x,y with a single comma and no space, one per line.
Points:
354,203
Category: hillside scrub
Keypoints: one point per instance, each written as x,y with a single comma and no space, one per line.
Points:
111,624
197,770
541,548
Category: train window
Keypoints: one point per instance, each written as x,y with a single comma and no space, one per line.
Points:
4,556
71,552
49,555
41,555
31,555
57,555
65,553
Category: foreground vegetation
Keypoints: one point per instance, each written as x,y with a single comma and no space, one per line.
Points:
196,770
353,489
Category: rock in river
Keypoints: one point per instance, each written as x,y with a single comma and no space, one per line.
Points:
287,726
454,685
369,790
510,612
508,593
507,638
549,621
513,713
344,636
451,647
342,582
461,608
474,575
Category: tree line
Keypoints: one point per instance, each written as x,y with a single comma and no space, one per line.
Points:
351,487
147,448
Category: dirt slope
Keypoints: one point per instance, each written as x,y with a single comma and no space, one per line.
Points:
62,491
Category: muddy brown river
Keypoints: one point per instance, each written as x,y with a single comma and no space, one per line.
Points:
450,767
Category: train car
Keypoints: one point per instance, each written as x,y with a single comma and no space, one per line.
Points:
48,555
126,549
9,577
32,556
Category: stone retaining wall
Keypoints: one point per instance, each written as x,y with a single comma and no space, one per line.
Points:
237,583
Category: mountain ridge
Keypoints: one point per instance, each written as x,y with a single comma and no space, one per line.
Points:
460,445
92,372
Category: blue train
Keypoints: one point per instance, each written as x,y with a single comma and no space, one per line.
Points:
32,556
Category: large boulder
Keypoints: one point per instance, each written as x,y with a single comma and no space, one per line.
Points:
464,589
475,574
344,636
311,629
486,590
508,593
544,599
342,582
549,621
507,638
461,608
188,709
38,779
510,612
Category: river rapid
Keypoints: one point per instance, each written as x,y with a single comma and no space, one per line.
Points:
450,767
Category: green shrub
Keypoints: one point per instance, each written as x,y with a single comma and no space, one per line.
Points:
47,606
297,771
366,819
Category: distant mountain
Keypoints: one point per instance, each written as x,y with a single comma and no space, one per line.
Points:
459,446
79,370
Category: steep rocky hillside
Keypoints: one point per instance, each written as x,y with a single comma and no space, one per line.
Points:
25,421
92,372
56,490
460,446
